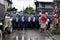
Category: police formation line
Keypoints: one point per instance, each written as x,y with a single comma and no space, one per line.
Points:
25,21
21,20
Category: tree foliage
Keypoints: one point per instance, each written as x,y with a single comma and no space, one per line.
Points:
28,10
11,9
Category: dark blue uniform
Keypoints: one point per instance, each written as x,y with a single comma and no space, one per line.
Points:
26,16
50,19
20,20
13,15
32,22
37,20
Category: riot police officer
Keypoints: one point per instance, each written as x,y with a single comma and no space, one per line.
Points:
33,21
13,16
20,15
29,21
37,21
26,16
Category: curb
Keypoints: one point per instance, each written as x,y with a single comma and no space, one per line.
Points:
51,35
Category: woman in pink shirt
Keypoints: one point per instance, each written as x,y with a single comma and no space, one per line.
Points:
56,20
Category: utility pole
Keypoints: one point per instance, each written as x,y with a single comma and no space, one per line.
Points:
55,5
35,4
11,4
22,10
35,0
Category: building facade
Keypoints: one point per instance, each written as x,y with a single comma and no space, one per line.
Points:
2,2
2,9
57,3
44,6
8,4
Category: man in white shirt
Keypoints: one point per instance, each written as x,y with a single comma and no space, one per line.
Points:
8,23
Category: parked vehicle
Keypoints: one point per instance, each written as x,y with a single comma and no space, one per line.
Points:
2,14
8,24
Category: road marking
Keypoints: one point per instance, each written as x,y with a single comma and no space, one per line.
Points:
23,34
16,37
28,38
22,37
32,38
46,38
35,38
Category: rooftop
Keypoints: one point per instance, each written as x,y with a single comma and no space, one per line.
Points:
9,1
44,0
57,0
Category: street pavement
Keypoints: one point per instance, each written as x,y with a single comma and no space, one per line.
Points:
57,37
27,35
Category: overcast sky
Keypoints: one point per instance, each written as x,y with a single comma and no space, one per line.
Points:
22,4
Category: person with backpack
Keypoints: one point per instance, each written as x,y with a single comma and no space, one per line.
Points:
43,22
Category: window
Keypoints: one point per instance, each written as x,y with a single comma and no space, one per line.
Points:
43,5
38,5
8,4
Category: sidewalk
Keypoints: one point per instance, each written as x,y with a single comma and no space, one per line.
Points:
54,37
57,37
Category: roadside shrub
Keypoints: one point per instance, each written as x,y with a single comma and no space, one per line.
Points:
54,31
